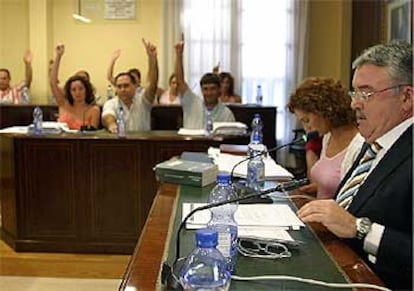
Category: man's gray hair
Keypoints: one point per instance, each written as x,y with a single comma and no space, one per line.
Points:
397,57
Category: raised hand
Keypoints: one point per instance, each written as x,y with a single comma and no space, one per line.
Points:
150,48
116,54
27,57
216,68
60,49
179,46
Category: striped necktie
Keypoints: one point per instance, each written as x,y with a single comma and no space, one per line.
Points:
350,188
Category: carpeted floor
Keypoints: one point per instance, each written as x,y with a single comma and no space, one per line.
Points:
18,283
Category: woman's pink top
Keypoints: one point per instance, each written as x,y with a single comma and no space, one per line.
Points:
326,173
72,123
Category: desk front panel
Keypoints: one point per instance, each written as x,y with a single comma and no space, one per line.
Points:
85,194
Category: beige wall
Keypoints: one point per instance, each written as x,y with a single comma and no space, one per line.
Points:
330,39
14,36
89,46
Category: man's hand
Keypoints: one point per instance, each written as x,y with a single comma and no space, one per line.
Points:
27,57
60,49
150,48
179,46
112,128
331,215
216,69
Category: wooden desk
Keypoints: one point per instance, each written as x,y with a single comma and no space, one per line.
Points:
162,117
143,269
83,193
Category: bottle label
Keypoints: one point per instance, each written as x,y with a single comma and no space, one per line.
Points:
224,243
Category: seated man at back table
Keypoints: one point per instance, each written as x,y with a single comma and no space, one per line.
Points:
136,104
194,110
13,94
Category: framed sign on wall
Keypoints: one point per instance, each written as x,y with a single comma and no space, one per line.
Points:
120,9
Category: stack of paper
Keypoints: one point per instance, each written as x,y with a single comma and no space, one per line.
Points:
273,171
264,221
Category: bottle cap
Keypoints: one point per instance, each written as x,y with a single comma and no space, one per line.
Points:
206,237
223,178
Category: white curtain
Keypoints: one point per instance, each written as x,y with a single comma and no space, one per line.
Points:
261,42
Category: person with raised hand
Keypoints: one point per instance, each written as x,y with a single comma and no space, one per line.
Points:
76,100
194,109
14,94
136,104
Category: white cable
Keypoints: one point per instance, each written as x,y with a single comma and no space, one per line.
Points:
310,281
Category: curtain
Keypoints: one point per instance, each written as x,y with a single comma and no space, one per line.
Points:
261,42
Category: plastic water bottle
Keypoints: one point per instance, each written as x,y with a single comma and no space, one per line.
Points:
109,92
205,267
257,128
222,218
25,95
120,121
209,122
37,121
259,95
255,165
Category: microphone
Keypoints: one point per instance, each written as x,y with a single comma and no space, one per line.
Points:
303,139
168,277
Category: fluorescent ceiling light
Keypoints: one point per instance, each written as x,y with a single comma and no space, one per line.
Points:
81,18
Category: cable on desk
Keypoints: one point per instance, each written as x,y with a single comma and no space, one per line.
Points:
310,281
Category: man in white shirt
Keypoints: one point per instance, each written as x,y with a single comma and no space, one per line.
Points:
13,94
136,104
377,220
194,109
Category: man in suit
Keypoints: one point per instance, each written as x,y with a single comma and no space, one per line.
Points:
376,220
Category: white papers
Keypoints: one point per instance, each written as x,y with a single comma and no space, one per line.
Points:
258,221
258,215
190,131
273,171
229,128
14,129
49,127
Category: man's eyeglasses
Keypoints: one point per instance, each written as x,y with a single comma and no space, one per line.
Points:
363,95
264,250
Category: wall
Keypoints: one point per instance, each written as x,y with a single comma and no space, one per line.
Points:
14,35
330,39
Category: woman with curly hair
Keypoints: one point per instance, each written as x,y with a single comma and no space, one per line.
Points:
76,101
322,104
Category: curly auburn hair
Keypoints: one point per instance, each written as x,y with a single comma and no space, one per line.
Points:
326,97
89,98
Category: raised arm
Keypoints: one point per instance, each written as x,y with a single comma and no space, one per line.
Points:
152,77
110,72
54,82
27,58
179,67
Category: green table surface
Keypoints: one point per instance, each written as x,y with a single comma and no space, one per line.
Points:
309,260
